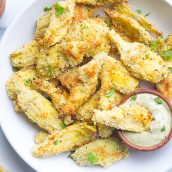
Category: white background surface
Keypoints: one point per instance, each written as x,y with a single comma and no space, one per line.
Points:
8,158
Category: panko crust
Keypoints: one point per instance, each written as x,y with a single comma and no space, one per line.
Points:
26,56
101,152
20,79
39,110
54,33
134,118
129,28
66,140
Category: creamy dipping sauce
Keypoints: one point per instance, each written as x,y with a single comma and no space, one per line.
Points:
160,127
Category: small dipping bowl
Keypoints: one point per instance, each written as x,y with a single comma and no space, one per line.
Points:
123,134
2,7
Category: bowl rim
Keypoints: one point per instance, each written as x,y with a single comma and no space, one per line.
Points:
137,147
2,7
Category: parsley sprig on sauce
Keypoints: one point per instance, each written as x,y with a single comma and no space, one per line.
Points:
163,129
134,98
158,101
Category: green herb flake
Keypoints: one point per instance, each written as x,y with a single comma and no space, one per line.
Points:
170,69
15,69
154,46
59,10
47,8
139,11
110,93
134,98
158,101
163,129
63,125
92,158
27,82
56,142
51,71
167,55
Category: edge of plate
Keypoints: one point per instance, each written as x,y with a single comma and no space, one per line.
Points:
1,45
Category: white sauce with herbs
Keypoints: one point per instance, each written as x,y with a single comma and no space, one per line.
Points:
161,125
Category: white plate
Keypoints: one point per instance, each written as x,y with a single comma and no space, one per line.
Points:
20,132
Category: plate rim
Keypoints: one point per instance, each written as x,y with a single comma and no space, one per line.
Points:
8,30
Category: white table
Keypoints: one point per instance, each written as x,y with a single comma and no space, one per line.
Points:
8,157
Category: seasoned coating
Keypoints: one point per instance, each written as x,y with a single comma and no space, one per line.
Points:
97,2
20,79
26,56
51,62
69,78
117,76
140,60
128,27
58,96
134,118
40,137
59,25
88,74
86,38
165,86
79,94
101,152
86,111
83,11
66,140
123,8
39,110
42,25
16,106
104,131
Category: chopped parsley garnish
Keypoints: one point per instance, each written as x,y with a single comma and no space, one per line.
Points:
170,69
147,14
59,10
47,8
110,93
27,82
56,142
167,55
85,26
63,125
163,129
139,11
158,101
92,158
134,98
51,71
15,69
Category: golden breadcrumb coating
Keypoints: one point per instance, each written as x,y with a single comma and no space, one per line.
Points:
128,27
101,152
59,25
40,137
140,60
123,8
39,110
42,25
25,56
66,140
134,118
20,79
